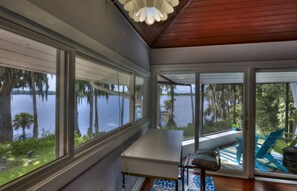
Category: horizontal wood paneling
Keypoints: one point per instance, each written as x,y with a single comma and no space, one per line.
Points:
214,22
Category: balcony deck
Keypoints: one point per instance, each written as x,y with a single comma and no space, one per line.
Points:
227,143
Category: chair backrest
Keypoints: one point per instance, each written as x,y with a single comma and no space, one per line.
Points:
269,142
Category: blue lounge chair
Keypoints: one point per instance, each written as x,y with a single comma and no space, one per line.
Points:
263,151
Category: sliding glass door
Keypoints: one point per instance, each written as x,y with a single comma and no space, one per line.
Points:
232,111
276,121
221,113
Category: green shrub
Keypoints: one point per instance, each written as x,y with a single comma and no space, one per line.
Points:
80,140
21,147
213,127
4,149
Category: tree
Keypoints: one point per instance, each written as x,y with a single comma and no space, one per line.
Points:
169,105
96,123
90,96
224,106
84,89
23,120
270,100
9,78
271,108
98,93
40,81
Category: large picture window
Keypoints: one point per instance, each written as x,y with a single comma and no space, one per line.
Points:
102,100
27,105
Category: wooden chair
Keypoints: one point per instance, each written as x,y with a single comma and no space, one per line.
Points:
289,140
263,151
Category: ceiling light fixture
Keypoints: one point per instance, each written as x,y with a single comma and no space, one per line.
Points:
149,10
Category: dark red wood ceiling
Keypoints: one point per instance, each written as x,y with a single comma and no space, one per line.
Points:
218,22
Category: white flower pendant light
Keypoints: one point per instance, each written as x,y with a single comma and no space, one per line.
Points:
149,10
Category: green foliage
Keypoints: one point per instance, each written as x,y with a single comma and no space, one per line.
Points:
78,140
269,98
21,147
4,149
18,165
224,107
271,108
213,127
23,120
189,130
169,104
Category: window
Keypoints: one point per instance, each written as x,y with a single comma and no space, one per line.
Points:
28,138
139,97
221,116
176,108
102,100
221,102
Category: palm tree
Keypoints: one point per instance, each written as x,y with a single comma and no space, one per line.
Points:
23,120
10,78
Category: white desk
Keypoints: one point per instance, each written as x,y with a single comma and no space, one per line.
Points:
156,154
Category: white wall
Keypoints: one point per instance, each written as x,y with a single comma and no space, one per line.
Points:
103,176
226,53
92,23
86,23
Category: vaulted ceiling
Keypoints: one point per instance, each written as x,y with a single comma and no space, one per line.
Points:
218,22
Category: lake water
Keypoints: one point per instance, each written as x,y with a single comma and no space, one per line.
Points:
108,113
182,109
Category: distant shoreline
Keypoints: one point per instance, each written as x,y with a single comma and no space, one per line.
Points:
25,92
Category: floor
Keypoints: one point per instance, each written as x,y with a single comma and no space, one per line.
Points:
228,157
236,184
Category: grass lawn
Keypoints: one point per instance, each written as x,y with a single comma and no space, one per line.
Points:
18,166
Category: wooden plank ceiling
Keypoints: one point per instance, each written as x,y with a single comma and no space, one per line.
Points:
218,22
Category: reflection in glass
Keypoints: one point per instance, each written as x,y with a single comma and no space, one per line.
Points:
102,100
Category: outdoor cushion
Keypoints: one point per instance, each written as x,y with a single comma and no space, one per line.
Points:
205,160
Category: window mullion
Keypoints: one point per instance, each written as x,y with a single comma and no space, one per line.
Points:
132,98
287,108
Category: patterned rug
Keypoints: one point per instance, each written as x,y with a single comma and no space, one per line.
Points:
194,184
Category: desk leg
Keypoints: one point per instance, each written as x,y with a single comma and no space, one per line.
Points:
123,181
187,176
176,185
183,178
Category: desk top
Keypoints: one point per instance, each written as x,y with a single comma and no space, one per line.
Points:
157,145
